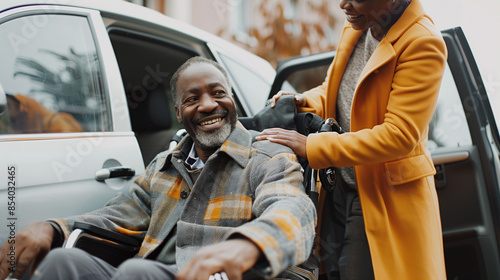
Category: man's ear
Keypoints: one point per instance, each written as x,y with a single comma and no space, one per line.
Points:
178,114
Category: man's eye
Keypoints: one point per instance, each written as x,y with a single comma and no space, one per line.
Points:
219,93
189,100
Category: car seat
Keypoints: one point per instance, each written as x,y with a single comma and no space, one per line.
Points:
151,121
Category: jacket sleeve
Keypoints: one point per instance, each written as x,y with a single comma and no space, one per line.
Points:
127,214
410,106
285,221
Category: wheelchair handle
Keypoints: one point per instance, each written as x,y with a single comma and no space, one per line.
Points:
331,125
327,176
176,138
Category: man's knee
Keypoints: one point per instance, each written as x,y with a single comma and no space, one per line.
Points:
60,256
143,269
60,264
136,267
133,267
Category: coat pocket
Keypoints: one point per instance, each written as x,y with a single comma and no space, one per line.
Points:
406,170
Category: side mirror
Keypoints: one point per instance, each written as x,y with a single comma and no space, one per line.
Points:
3,100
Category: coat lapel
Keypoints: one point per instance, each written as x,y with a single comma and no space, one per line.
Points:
348,41
383,54
385,51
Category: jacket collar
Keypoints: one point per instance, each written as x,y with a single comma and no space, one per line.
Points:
411,15
382,55
385,50
237,146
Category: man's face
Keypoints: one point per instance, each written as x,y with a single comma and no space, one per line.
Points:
205,105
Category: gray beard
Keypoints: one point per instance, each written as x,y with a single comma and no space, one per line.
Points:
215,138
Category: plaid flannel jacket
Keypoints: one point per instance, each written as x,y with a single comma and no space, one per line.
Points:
247,187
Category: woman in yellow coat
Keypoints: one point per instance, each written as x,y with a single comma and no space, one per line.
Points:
393,99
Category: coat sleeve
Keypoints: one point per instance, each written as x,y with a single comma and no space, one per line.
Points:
410,106
285,221
127,214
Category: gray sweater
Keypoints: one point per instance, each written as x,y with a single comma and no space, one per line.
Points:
359,57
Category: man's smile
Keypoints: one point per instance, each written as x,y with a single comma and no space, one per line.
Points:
210,121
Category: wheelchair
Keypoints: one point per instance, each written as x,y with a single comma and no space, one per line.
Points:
115,248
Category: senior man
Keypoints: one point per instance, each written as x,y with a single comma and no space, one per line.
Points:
220,202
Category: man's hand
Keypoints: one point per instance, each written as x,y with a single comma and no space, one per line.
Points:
233,257
299,100
31,245
290,138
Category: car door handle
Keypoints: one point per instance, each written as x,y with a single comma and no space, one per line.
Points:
114,172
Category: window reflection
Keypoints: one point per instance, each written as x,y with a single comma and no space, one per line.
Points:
448,127
253,88
51,76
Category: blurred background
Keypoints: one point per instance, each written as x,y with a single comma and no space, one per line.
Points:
279,29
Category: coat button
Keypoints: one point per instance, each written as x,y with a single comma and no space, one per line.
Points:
184,194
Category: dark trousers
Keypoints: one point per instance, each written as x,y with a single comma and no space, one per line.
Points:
68,264
346,254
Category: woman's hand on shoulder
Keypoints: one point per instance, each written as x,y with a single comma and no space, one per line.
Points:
298,99
290,138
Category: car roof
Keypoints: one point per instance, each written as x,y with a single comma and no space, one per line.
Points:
140,13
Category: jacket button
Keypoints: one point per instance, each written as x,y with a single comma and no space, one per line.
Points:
184,194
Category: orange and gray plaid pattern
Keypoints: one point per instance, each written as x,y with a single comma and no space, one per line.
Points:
246,188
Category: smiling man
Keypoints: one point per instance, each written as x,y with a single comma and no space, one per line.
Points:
219,202
210,118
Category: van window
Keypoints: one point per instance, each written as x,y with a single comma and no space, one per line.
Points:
254,89
448,127
51,75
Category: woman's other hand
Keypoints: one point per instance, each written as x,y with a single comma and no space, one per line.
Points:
298,99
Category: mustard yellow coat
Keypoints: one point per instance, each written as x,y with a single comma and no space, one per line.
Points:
394,101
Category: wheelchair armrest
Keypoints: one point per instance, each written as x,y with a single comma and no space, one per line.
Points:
247,122
108,245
